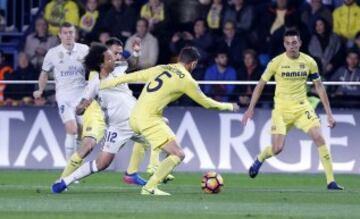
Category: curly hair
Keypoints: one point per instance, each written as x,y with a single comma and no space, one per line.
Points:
95,57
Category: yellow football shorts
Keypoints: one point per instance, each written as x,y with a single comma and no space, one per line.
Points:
93,122
303,118
154,129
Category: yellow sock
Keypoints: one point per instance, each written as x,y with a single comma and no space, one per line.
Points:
74,163
326,161
165,167
154,158
265,154
137,157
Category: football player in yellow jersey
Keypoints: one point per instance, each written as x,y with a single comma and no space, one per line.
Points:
94,127
164,84
291,70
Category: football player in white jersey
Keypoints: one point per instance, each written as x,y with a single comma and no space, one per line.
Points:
116,103
65,60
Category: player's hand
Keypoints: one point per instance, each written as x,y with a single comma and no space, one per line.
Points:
37,94
247,115
175,38
188,36
81,107
236,107
331,121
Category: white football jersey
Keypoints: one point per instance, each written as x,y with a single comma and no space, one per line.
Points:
116,103
68,69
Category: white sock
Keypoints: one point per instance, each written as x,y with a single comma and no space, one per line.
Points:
70,145
84,170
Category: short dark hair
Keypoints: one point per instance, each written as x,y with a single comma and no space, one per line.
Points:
114,41
95,57
292,32
203,21
250,52
189,54
145,21
352,51
221,51
66,25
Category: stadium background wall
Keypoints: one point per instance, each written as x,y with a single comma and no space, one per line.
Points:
33,138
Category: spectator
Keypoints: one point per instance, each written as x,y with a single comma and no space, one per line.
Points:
326,46
24,72
220,71
38,43
115,18
2,21
200,39
149,44
4,70
60,11
154,12
313,11
250,71
89,20
347,19
187,11
104,36
350,72
241,14
356,46
233,43
272,24
215,15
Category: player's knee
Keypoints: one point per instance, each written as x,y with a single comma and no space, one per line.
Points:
181,154
277,150
318,139
71,131
88,145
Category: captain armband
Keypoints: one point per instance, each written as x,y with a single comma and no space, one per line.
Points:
314,76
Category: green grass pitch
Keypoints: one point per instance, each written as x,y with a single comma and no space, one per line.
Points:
26,194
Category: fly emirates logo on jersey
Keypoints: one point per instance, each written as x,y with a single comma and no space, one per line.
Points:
71,71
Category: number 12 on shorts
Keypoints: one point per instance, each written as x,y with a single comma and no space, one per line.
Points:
111,136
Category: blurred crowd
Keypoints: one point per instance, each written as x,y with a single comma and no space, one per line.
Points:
236,39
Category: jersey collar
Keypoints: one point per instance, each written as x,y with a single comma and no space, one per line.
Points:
74,49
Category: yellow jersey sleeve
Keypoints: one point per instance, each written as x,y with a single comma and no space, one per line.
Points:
193,90
138,76
269,71
92,75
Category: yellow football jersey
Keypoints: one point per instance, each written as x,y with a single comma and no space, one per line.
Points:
94,107
291,76
164,84
93,118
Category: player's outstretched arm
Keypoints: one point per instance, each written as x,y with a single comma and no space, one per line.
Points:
81,107
43,78
91,91
137,76
194,92
320,89
254,99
